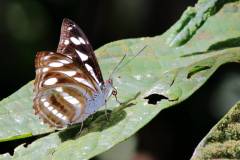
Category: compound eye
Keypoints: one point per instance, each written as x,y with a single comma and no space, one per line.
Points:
114,92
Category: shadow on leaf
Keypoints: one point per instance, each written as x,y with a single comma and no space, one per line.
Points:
98,122
230,43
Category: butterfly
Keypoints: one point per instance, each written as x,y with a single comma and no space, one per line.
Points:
69,85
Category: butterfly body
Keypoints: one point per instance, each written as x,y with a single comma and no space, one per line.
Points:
69,85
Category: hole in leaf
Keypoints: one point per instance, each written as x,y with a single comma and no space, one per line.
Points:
196,69
155,98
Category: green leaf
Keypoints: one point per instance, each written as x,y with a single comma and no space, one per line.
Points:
159,71
193,19
16,116
223,141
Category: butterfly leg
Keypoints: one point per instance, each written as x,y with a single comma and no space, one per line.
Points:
105,110
114,93
91,118
80,130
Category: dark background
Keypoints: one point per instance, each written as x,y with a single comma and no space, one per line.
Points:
29,26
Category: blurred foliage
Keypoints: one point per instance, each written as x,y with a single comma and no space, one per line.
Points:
223,141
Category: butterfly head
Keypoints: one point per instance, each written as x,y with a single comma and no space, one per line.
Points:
111,90
108,88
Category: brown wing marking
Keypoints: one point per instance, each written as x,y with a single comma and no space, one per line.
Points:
45,72
74,43
56,107
50,102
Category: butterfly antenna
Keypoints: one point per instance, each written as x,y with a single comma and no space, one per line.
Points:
117,68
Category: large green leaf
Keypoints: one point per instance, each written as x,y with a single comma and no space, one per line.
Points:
223,141
160,70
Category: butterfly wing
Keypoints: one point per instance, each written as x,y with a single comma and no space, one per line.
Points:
68,83
75,44
62,88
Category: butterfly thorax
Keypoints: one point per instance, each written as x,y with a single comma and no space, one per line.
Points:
98,100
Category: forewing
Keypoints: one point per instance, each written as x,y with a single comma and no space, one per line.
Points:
62,88
75,44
